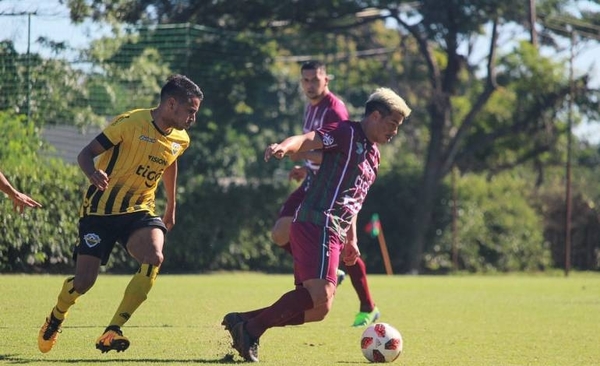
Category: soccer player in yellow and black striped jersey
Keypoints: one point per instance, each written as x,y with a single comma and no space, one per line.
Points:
124,165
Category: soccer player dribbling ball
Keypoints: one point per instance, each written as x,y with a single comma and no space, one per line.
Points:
325,217
136,151
323,108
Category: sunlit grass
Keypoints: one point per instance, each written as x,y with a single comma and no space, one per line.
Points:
451,320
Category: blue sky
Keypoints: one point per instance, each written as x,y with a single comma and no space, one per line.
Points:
49,19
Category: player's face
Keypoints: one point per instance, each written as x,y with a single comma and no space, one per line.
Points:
184,114
314,84
386,127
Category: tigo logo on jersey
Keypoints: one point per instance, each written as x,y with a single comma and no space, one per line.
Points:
151,176
91,239
327,140
175,147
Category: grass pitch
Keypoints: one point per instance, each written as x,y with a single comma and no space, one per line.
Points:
508,320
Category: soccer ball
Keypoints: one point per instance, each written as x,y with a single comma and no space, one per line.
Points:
381,342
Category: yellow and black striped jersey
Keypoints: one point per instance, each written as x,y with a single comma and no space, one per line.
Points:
137,153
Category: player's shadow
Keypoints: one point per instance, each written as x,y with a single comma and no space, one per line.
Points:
16,359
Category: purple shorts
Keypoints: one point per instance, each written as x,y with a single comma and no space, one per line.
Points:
289,207
316,250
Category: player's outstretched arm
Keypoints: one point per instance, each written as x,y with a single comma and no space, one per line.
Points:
294,144
20,200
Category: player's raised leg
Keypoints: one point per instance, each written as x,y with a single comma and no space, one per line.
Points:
86,272
145,245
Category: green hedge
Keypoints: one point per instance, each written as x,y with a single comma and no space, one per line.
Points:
218,227
497,228
226,228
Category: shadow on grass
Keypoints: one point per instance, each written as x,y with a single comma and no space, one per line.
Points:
98,326
104,326
15,359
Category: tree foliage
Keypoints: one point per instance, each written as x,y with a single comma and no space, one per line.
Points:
42,238
49,91
498,228
481,117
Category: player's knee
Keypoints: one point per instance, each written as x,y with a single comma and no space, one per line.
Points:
322,298
156,258
82,283
321,312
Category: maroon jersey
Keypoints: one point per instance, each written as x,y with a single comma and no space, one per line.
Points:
349,167
329,110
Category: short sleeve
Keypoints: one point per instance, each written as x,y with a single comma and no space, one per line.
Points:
335,136
114,131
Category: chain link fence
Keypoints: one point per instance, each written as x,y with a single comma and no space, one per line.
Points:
72,92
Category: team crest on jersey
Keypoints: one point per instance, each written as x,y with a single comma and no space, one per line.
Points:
360,148
328,140
91,239
175,147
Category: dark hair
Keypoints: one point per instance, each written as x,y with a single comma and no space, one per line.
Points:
312,65
376,105
181,88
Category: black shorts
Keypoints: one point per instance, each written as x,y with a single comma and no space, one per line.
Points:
98,234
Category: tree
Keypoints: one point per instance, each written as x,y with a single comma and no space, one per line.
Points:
49,91
440,29
459,95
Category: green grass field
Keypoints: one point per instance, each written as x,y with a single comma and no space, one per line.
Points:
448,320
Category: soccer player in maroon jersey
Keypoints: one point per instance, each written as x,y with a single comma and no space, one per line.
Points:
324,225
124,165
323,108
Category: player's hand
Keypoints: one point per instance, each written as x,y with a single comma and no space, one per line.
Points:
298,173
350,253
20,201
99,179
169,220
274,150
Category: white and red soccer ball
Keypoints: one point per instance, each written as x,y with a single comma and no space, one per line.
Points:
381,342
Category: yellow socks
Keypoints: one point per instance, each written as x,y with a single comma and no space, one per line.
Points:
135,293
67,298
